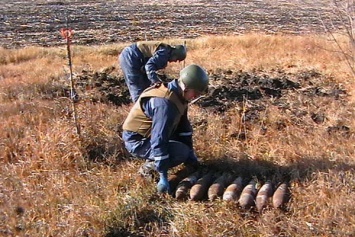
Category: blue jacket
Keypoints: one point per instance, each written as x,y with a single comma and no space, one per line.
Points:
150,65
162,112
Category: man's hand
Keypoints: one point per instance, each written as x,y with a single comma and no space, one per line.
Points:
163,184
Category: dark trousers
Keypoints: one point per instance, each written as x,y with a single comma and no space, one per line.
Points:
131,63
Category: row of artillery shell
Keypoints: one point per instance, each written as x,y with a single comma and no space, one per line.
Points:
199,184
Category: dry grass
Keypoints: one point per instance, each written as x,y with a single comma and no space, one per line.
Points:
50,185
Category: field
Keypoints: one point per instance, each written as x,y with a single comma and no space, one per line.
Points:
280,107
102,22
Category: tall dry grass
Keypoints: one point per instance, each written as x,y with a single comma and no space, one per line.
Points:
54,184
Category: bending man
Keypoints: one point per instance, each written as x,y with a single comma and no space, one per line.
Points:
141,61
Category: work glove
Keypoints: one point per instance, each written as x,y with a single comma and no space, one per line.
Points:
163,184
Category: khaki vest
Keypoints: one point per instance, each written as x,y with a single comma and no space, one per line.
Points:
148,48
138,122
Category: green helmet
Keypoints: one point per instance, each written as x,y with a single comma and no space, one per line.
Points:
194,77
178,52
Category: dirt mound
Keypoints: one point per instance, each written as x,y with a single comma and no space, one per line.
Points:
231,89
254,91
102,86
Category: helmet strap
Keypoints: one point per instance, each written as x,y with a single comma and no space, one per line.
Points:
182,86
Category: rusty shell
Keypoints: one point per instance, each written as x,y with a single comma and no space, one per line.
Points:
218,186
233,191
265,192
175,179
184,186
280,195
199,190
246,199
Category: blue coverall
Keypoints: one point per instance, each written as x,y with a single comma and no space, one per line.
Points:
140,72
167,146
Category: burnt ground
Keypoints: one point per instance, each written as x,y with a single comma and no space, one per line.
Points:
37,22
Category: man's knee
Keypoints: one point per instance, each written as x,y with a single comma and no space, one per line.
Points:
178,152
